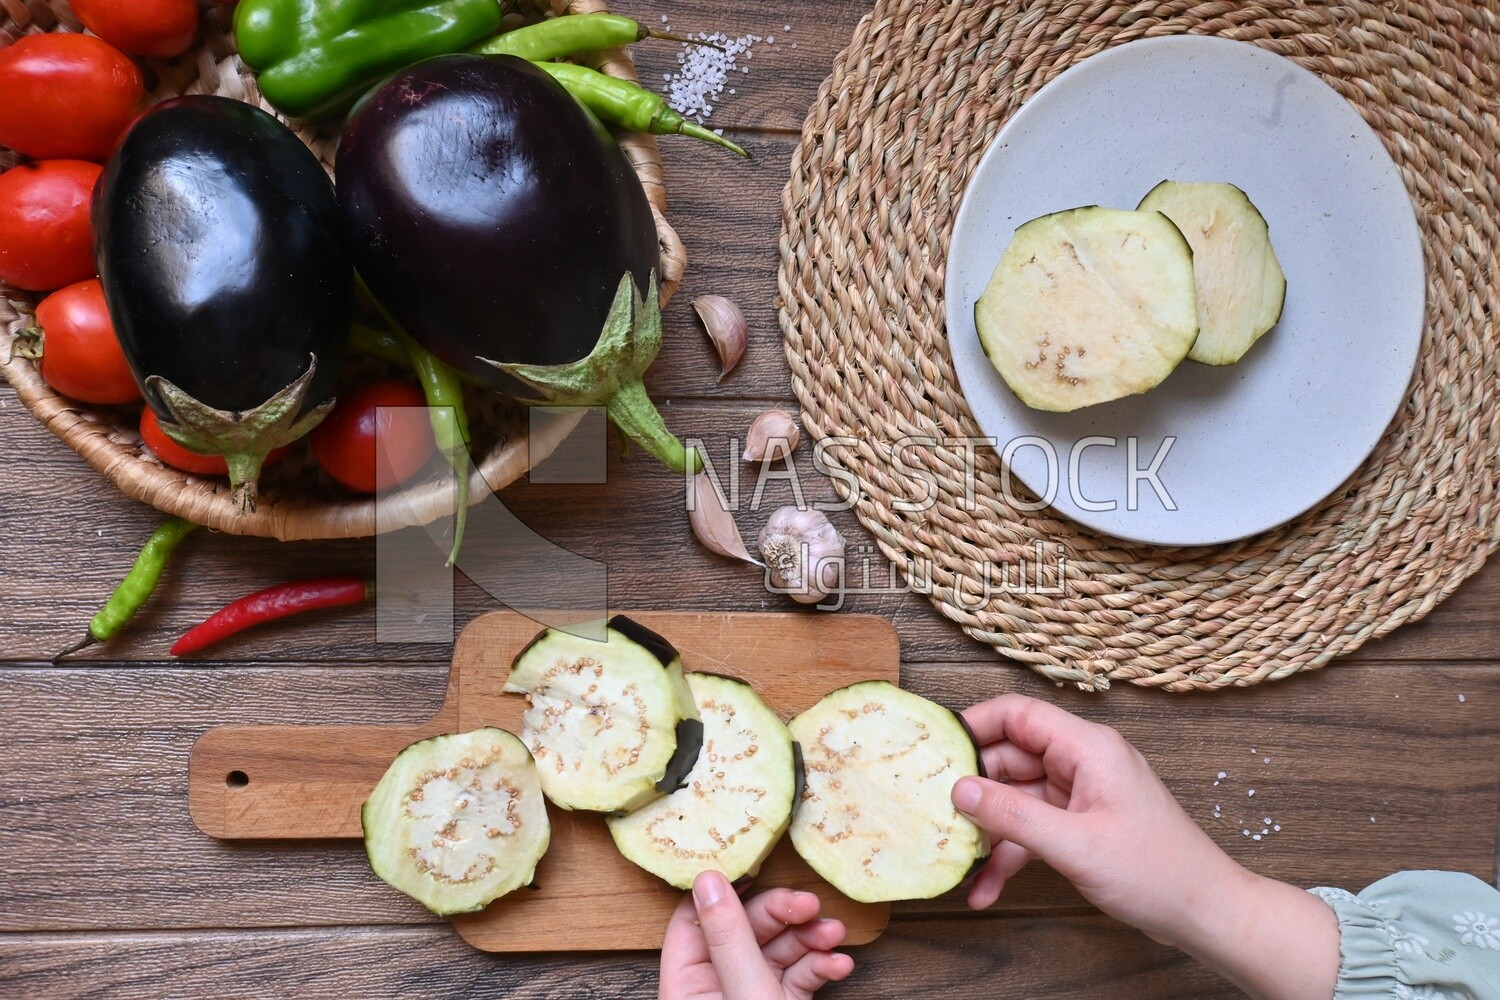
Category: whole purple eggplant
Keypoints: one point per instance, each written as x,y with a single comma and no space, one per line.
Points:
499,223
217,242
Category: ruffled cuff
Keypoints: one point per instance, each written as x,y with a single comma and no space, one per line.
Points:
1367,949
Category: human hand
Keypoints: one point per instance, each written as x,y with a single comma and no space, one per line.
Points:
772,947
1082,799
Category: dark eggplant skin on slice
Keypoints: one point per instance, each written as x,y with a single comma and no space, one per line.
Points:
490,214
689,744
217,242
643,636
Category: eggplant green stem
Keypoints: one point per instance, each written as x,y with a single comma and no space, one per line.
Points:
633,412
611,376
243,437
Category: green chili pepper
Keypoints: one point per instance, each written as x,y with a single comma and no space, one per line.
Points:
570,34
381,344
136,588
444,389
629,105
314,57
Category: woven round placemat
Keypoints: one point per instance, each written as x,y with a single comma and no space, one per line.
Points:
297,501
875,183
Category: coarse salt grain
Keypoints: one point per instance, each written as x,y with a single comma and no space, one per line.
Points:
1276,827
1461,698
1256,837
1223,775
1265,760
699,81
1251,793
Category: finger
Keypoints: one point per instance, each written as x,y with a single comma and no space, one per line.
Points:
1007,859
682,946
1004,761
817,969
1060,738
771,912
791,944
732,947
1011,813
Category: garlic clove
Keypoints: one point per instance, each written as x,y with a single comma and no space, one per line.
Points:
713,524
772,433
726,327
804,554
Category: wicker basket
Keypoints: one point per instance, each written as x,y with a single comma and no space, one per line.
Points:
296,500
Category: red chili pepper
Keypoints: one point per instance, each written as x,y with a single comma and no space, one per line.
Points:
272,603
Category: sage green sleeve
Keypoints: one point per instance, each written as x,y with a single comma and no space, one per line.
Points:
1418,936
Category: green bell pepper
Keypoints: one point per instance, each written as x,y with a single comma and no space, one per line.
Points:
315,57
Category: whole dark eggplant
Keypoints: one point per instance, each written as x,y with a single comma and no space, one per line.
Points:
499,223
218,244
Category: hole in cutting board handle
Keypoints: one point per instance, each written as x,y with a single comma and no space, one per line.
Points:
237,779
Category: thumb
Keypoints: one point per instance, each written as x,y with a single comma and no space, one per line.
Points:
732,948
1010,814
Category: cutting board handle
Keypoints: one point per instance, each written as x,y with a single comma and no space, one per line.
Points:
300,782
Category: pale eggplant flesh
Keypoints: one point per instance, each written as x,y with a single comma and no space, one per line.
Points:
737,801
876,818
612,724
1089,305
1241,288
458,821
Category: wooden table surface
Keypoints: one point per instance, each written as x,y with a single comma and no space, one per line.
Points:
1384,761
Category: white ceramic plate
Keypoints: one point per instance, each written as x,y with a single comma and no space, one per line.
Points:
1250,445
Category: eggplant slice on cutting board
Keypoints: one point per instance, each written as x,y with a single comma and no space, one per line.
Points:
876,819
458,821
737,801
611,724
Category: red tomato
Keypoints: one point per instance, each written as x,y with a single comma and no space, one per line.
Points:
45,237
81,356
156,28
394,412
66,96
186,459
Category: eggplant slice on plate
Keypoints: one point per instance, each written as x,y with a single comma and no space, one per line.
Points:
458,821
1241,287
1089,305
738,798
611,724
876,819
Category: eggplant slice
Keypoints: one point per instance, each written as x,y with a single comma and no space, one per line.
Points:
1089,305
458,821
876,819
738,798
1241,287
611,724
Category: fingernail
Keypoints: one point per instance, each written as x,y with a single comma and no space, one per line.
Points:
966,795
709,888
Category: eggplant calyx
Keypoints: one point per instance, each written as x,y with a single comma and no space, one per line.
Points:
611,376
243,437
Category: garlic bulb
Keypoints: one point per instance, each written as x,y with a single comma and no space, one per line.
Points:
804,554
774,427
726,327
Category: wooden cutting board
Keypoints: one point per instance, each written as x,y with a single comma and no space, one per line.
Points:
308,782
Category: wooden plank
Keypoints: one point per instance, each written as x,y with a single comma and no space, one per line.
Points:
309,782
96,806
50,503
1068,957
